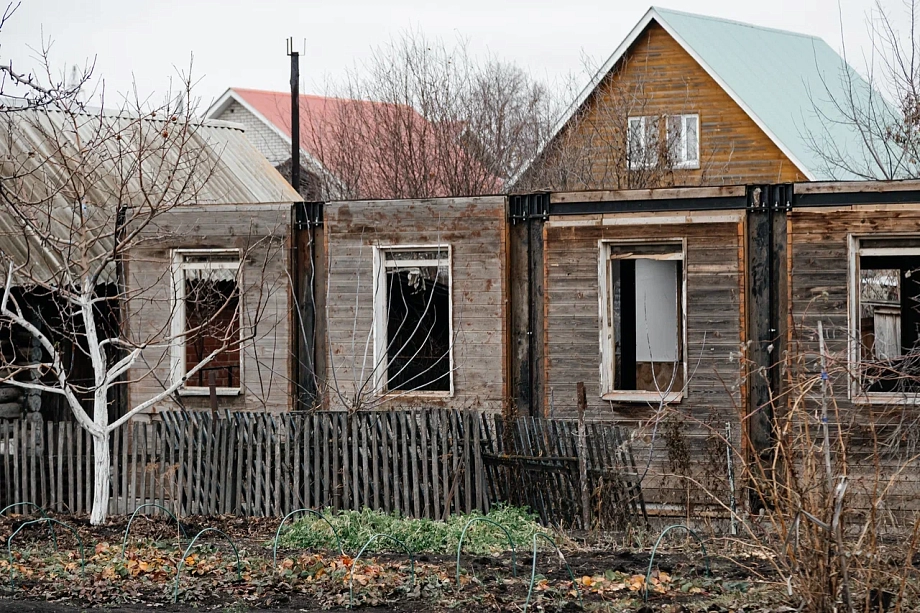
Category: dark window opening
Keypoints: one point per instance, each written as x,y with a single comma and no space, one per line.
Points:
889,323
418,322
212,323
647,318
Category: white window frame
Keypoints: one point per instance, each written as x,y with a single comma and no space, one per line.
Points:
854,346
607,332
680,142
381,361
649,151
177,348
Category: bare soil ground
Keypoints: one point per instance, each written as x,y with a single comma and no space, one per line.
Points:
608,578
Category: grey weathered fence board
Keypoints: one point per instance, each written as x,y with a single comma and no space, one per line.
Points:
422,462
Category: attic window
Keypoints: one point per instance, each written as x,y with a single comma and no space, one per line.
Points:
412,320
642,142
886,332
642,321
684,140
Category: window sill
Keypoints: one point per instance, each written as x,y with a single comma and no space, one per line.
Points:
639,396
396,394
886,399
690,166
206,391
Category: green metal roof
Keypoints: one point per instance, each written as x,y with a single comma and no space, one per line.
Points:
787,82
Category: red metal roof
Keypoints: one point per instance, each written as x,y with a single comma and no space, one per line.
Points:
392,162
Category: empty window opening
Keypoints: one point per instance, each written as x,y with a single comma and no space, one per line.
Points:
416,309
210,302
889,319
644,326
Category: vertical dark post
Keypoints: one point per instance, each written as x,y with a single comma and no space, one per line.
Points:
539,214
759,311
212,394
766,306
295,115
582,400
526,214
309,282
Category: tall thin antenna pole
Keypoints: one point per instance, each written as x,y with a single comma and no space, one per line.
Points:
295,114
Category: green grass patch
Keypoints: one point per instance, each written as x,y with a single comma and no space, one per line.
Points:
355,528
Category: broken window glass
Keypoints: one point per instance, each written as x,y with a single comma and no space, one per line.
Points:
418,328
212,318
889,322
646,309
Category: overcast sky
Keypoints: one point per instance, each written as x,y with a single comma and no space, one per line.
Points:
242,44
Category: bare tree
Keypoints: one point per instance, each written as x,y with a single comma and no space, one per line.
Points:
618,138
20,90
424,119
85,313
870,127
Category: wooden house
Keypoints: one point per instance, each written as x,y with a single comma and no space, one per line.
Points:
690,100
703,301
412,304
208,220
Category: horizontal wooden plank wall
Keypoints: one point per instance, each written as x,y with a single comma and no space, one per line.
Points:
882,440
474,228
420,463
714,332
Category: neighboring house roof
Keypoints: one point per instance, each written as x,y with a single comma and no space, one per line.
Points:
229,170
324,122
786,82
319,119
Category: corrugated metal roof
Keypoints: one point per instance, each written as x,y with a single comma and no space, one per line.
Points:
786,81
122,161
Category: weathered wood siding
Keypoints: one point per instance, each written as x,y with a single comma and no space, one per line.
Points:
818,291
663,79
715,297
475,229
262,232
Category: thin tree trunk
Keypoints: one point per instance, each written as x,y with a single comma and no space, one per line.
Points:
101,479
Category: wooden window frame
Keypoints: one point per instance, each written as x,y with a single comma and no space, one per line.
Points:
607,332
681,142
381,362
177,325
854,333
649,150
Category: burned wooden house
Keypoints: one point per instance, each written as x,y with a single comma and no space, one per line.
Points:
137,248
690,316
698,304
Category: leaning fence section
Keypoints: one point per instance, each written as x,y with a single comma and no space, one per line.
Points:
537,463
422,463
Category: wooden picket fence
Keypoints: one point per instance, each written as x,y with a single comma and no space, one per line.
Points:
537,465
422,463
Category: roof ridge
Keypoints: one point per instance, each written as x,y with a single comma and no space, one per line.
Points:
660,9
316,96
96,112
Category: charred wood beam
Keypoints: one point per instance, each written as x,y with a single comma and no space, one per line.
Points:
526,215
765,268
308,265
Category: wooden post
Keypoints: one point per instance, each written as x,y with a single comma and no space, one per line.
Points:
212,393
583,457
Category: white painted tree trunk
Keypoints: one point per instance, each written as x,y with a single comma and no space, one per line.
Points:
103,473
